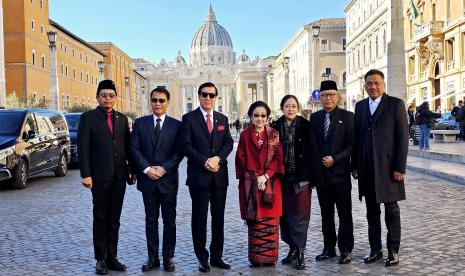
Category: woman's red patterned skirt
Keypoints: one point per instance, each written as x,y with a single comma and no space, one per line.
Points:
263,241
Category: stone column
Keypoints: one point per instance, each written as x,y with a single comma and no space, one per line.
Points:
182,110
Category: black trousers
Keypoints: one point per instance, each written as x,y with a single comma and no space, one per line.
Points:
152,202
338,194
201,198
107,198
391,218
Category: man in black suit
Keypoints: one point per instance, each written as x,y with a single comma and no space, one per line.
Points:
104,155
333,128
156,155
379,160
207,143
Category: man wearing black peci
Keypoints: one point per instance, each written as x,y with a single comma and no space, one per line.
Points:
104,155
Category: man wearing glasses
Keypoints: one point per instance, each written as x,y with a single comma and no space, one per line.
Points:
104,158
156,155
207,143
333,128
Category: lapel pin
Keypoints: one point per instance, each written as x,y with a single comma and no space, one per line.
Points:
340,122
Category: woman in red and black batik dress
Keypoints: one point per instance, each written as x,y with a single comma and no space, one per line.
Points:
259,167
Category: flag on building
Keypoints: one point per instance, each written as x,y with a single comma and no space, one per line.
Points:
413,10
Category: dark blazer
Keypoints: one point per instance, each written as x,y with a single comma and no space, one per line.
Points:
307,163
103,156
390,147
339,143
198,145
147,151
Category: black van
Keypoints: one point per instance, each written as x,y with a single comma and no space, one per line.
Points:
73,120
32,141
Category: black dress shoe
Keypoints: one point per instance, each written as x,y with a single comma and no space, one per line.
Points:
101,268
168,265
116,265
204,267
325,254
292,255
151,264
220,263
392,259
373,256
345,258
300,265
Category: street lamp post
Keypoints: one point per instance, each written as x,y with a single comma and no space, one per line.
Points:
54,103
101,66
286,76
316,34
126,96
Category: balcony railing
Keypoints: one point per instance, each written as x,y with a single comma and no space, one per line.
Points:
427,29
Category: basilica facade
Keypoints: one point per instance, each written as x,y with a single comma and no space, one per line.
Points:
240,80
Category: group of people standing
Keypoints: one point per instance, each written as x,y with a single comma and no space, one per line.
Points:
277,164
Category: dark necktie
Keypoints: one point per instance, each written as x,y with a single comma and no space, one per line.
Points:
110,125
157,129
327,122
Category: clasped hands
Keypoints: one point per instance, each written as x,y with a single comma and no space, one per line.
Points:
261,182
156,172
213,164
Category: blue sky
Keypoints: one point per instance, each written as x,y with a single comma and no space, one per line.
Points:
153,29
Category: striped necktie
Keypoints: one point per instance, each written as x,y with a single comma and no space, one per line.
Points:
327,122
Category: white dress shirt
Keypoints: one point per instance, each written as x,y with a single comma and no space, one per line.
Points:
163,117
373,104
204,113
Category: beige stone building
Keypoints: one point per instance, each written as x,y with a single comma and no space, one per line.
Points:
435,52
375,40
315,53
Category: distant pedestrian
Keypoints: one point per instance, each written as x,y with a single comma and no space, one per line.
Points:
237,125
426,123
461,117
455,113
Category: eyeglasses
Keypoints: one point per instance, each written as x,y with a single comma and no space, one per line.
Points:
205,95
155,100
263,116
329,95
107,95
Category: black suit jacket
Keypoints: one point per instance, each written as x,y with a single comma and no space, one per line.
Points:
390,147
147,151
198,145
103,156
339,143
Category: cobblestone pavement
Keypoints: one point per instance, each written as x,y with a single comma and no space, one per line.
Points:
46,229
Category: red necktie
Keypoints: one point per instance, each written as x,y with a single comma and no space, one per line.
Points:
209,124
110,125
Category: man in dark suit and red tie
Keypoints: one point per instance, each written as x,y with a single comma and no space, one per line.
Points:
104,159
207,143
379,160
156,154
334,132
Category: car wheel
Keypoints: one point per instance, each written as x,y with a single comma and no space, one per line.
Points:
62,168
21,171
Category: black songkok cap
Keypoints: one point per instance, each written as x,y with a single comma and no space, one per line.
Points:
106,84
328,85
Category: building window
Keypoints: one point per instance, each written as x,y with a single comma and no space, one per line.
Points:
62,69
74,73
72,52
66,48
32,25
33,57
80,56
63,101
42,29
66,69
344,43
450,53
61,46
376,48
449,12
41,4
87,77
384,41
75,100
344,79
82,76
324,45
411,68
43,62
67,102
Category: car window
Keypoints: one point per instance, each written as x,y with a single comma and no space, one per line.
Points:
30,124
58,122
73,122
11,123
44,123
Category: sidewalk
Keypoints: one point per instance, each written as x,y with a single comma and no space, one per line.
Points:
443,160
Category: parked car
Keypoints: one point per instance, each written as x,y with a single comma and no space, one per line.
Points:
446,121
73,120
32,141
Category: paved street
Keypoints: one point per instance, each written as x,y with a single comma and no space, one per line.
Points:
47,230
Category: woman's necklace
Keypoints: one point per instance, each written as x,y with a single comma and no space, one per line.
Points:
260,141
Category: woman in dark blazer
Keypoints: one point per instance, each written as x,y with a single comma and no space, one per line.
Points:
302,172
